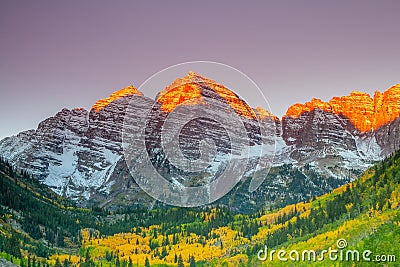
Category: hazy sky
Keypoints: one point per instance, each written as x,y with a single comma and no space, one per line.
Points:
56,54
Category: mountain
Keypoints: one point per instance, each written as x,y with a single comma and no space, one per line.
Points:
357,116
76,152
319,145
347,132
196,130
39,228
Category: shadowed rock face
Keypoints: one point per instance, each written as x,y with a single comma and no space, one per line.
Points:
78,153
388,137
318,129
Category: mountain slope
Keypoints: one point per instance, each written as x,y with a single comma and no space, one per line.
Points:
31,212
364,215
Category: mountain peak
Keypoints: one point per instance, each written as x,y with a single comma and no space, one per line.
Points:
127,91
192,74
356,93
190,78
297,109
264,114
365,113
195,87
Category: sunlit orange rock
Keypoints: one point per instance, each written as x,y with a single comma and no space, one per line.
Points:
387,105
102,103
191,87
358,107
265,114
297,109
363,111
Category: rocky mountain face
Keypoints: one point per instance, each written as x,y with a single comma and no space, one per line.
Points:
195,132
364,112
352,130
77,151
319,145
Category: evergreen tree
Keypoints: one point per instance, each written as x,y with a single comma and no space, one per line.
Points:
164,253
180,261
58,263
117,262
192,262
12,245
109,256
146,262
66,263
87,256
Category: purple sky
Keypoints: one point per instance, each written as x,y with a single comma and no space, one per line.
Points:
56,54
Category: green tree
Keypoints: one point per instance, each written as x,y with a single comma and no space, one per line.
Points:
180,261
117,262
146,262
164,253
58,263
66,263
12,245
192,262
87,256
